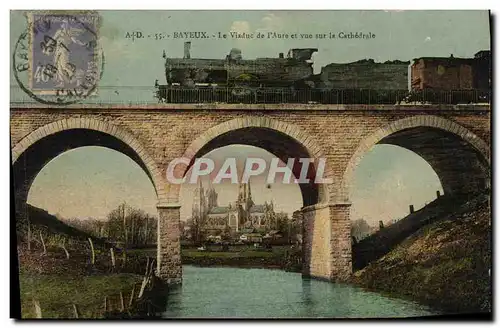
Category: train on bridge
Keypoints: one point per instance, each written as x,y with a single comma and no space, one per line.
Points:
291,79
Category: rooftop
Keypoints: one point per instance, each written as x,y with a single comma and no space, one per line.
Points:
219,210
257,209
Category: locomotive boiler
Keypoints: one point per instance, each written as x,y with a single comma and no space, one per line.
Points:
234,79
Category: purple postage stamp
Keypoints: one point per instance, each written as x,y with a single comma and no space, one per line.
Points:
64,53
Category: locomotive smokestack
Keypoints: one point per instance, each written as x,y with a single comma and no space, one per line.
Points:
187,50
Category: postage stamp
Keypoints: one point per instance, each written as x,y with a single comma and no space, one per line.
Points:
63,56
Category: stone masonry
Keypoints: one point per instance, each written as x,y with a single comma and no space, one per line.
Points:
455,140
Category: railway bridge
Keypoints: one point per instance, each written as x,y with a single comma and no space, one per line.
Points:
453,139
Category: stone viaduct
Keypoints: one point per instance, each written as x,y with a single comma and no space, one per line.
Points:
453,139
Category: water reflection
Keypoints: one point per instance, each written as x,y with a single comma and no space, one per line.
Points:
307,299
259,293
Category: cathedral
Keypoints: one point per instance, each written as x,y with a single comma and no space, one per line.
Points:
240,214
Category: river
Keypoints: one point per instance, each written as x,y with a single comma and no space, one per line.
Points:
262,293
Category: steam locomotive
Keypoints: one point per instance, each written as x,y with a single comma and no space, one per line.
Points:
291,79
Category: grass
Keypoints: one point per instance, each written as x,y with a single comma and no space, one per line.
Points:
242,251
57,293
444,265
57,290
57,283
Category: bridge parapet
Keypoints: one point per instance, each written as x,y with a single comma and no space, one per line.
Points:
260,107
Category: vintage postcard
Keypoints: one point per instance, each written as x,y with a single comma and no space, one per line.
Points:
251,164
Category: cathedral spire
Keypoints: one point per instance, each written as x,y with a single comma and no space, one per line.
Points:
242,192
249,191
210,185
199,201
211,196
248,199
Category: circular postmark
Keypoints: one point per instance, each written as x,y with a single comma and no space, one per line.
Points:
57,59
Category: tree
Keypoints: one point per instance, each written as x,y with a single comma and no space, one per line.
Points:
196,231
117,223
360,229
226,235
282,222
89,225
131,226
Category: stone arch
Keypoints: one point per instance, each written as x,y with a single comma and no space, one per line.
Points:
135,149
385,134
287,132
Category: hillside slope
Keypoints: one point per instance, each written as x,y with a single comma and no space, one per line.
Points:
50,225
383,241
56,234
445,264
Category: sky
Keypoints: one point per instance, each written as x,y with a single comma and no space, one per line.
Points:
84,182
81,183
402,35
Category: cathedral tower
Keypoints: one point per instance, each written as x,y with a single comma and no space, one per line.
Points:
244,202
199,202
211,197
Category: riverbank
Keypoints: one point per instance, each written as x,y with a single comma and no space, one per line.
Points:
285,257
56,294
236,262
445,265
53,286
